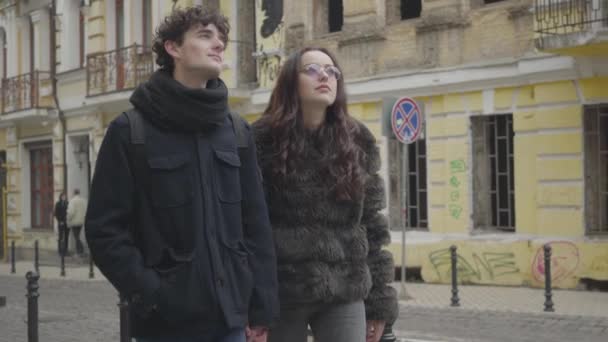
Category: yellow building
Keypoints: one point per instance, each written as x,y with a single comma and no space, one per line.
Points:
515,103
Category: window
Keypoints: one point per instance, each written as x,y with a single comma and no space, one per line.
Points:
148,30
493,172
596,169
41,178
32,46
81,39
4,54
410,9
120,24
415,187
336,15
491,1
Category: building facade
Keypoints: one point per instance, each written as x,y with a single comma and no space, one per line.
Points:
514,95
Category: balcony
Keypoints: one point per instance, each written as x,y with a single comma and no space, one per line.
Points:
564,24
118,70
27,92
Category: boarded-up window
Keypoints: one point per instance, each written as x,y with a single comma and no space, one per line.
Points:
596,169
41,178
416,189
493,172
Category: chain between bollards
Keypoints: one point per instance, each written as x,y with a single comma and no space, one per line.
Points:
32,306
13,268
36,257
455,301
548,292
125,333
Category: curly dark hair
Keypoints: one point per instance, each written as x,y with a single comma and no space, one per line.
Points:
175,25
283,116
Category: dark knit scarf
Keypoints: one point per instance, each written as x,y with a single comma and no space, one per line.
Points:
169,104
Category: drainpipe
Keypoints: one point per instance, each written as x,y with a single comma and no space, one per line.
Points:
60,112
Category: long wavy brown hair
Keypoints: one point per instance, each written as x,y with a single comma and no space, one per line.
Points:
283,116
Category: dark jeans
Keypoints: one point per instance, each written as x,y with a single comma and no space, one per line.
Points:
62,240
329,323
79,247
235,335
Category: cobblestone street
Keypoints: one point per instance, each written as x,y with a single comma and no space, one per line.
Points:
84,310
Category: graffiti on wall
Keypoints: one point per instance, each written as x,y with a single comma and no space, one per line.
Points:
457,168
600,265
565,259
484,266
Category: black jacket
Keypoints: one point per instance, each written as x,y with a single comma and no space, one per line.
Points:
61,211
188,239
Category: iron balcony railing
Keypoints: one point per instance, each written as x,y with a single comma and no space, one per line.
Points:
118,70
27,91
557,17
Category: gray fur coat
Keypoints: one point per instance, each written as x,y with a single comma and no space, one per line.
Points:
330,251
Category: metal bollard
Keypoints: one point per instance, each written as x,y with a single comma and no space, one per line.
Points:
32,306
548,293
62,265
455,300
36,258
125,333
387,335
91,266
13,269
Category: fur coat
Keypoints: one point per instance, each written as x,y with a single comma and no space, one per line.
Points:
329,251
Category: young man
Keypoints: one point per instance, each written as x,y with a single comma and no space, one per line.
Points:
181,228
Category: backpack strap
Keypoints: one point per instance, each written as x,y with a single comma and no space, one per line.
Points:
137,145
238,124
136,125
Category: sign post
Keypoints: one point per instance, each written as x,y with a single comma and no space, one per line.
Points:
406,124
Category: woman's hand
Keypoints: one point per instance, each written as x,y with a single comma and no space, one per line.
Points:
256,334
375,329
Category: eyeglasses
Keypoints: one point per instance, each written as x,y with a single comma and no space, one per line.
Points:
314,70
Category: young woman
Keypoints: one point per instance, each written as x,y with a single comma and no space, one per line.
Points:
320,168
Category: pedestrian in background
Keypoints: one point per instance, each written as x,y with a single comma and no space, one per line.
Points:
61,208
320,169
77,209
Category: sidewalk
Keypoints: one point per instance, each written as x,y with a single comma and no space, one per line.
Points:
506,299
472,297
72,272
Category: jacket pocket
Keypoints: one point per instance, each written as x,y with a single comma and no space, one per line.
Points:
170,183
227,176
238,274
181,297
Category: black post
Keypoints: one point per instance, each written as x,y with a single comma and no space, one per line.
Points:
91,266
125,334
454,257
13,269
32,306
387,335
62,264
36,259
548,293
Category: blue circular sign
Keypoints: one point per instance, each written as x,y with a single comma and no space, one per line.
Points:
406,120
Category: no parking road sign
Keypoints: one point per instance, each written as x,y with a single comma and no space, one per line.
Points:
406,120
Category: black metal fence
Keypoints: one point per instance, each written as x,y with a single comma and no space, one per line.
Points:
555,17
118,70
27,91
